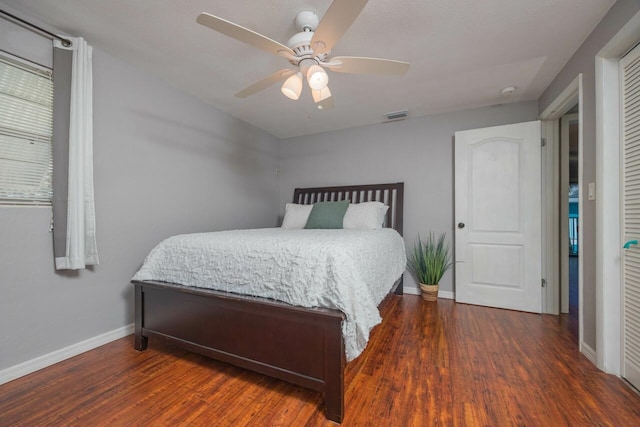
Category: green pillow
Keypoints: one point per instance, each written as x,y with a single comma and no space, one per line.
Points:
327,214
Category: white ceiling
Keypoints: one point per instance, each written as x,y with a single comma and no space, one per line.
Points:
462,52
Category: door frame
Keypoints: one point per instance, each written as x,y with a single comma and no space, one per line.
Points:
609,313
570,96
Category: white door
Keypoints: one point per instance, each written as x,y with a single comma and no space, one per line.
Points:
630,75
498,217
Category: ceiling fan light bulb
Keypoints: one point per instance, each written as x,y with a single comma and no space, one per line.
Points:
317,77
320,95
292,87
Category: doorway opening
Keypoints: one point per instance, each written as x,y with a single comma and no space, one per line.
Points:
569,218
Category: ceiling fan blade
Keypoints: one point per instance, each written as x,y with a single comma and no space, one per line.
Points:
265,82
335,23
360,65
242,34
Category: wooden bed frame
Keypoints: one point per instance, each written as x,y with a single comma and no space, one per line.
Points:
296,344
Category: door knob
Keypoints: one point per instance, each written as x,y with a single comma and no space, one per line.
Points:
461,225
629,243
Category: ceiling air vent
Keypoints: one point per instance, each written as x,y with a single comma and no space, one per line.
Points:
396,115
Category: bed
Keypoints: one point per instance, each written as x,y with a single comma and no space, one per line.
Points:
302,345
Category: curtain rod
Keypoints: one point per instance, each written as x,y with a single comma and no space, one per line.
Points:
32,27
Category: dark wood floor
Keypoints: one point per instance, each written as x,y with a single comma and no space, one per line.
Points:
427,364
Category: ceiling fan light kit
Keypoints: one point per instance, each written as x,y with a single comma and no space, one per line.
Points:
320,95
308,51
292,87
317,77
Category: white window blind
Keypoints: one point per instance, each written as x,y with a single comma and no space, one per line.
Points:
26,126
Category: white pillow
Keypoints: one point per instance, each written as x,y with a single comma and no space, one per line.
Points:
295,216
365,216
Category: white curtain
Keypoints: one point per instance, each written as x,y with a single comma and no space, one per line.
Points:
81,249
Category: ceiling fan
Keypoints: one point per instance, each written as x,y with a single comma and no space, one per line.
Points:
309,51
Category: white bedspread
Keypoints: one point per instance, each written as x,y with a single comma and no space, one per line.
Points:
348,270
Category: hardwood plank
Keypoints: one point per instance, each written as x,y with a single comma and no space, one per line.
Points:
427,364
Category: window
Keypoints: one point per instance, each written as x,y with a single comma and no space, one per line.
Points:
26,126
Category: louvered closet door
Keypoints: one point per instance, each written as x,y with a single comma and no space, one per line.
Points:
630,76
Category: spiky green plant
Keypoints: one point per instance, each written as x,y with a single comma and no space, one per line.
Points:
430,259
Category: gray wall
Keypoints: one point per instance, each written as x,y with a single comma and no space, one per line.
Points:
583,61
417,151
164,163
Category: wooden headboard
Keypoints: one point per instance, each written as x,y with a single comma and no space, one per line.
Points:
391,195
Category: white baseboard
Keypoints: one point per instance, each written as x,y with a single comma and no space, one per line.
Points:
411,290
49,359
446,295
441,294
589,353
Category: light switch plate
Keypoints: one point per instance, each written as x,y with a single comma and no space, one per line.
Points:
591,192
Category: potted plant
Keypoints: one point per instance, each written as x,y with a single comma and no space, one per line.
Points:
428,261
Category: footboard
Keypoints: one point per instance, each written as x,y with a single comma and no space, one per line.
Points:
299,345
